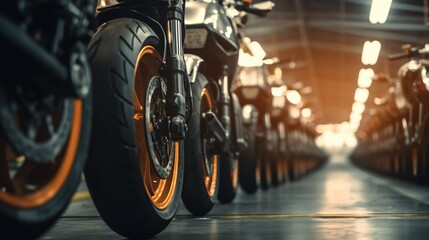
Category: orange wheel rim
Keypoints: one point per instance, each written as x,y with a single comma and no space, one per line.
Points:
160,190
210,179
234,173
53,179
258,169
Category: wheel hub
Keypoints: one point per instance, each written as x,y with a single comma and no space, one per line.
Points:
36,126
161,147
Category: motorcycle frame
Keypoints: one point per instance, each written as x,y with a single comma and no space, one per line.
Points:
53,74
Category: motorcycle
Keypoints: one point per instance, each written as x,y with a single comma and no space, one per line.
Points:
396,134
415,89
45,110
279,115
254,94
304,155
142,105
216,135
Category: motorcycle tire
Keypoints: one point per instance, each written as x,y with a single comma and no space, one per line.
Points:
282,153
248,171
135,171
33,194
228,183
265,170
201,178
274,163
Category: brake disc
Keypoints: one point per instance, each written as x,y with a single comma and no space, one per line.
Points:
160,145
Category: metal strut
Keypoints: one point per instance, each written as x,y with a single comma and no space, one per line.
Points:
176,71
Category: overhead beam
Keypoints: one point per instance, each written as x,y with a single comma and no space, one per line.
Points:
335,24
375,34
306,46
269,27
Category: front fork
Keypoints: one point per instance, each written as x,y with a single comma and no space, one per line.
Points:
225,102
176,71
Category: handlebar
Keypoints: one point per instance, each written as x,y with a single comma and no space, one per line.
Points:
260,9
397,56
410,52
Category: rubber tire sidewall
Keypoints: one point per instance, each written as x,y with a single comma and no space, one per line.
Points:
227,190
274,161
33,222
113,171
194,194
248,162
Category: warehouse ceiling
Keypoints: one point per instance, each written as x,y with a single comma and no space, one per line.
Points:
320,44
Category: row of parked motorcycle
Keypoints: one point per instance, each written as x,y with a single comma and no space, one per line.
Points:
153,107
393,138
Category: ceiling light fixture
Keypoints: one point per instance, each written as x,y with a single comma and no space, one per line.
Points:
358,107
355,117
257,50
361,95
370,52
379,11
365,77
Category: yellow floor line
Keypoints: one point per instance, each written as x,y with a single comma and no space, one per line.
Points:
285,216
79,196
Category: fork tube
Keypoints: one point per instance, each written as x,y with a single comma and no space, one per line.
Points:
225,101
176,70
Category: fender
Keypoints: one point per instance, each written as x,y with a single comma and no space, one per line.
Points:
192,64
109,14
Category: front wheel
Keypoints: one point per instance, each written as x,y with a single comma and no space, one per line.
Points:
275,160
135,170
248,171
201,180
265,170
228,186
43,147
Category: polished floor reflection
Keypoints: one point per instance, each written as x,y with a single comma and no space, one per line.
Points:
337,202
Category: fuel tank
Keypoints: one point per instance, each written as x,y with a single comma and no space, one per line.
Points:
211,35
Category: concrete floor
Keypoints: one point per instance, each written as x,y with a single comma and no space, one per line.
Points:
337,202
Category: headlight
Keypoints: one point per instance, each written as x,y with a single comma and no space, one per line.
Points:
252,77
247,112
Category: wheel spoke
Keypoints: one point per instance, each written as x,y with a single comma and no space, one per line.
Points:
50,125
31,176
31,129
22,178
